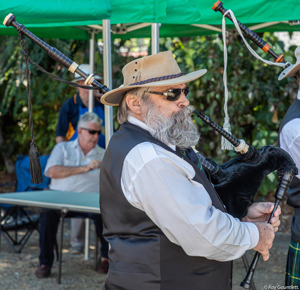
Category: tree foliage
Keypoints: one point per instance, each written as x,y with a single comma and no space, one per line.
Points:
47,94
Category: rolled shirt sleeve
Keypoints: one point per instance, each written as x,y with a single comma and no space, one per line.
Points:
160,183
56,158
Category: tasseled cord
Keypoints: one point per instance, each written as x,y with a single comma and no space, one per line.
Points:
35,164
225,144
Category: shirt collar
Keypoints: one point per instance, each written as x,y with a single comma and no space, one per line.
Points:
94,151
138,122
298,95
74,144
141,124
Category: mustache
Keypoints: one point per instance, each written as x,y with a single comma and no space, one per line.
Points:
183,114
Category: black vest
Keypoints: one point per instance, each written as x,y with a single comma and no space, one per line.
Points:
293,197
141,256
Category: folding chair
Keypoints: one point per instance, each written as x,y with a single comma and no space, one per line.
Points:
13,218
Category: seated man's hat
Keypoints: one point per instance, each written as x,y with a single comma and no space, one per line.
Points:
291,70
160,69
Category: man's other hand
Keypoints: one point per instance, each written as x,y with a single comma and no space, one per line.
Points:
266,237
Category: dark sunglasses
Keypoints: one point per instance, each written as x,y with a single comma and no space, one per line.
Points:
173,94
92,132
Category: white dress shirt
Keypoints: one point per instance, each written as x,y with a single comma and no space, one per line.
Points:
160,183
70,154
290,139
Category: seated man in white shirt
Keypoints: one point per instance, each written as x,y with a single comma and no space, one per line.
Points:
168,230
73,166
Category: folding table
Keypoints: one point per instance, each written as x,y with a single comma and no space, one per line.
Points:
51,199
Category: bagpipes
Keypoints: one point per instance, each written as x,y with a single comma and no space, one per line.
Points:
269,158
236,181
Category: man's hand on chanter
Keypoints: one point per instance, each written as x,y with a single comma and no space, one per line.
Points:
261,211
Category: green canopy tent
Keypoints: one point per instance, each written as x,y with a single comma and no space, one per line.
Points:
189,18
54,18
72,19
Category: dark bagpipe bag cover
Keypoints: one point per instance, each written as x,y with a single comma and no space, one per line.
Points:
238,180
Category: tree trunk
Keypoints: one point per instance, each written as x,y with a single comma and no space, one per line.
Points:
9,164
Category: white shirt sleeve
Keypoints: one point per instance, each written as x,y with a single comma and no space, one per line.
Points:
290,140
160,183
56,157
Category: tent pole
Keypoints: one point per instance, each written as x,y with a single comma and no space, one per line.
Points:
155,38
92,69
107,73
91,109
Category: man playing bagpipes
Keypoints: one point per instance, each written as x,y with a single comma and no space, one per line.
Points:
166,225
289,140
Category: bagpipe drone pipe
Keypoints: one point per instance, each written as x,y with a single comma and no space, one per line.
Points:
218,7
274,158
236,181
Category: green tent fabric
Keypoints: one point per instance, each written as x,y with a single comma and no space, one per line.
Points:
55,18
200,11
68,19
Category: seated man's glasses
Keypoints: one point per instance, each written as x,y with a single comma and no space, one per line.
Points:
92,132
173,94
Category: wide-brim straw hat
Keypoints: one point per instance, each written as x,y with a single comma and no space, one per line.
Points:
291,70
86,69
156,70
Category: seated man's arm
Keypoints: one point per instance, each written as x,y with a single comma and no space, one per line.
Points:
57,167
61,171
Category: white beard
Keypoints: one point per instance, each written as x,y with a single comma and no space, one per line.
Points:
177,129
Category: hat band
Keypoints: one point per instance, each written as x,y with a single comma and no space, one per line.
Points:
158,79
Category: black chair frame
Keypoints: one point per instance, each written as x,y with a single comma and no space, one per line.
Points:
14,219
